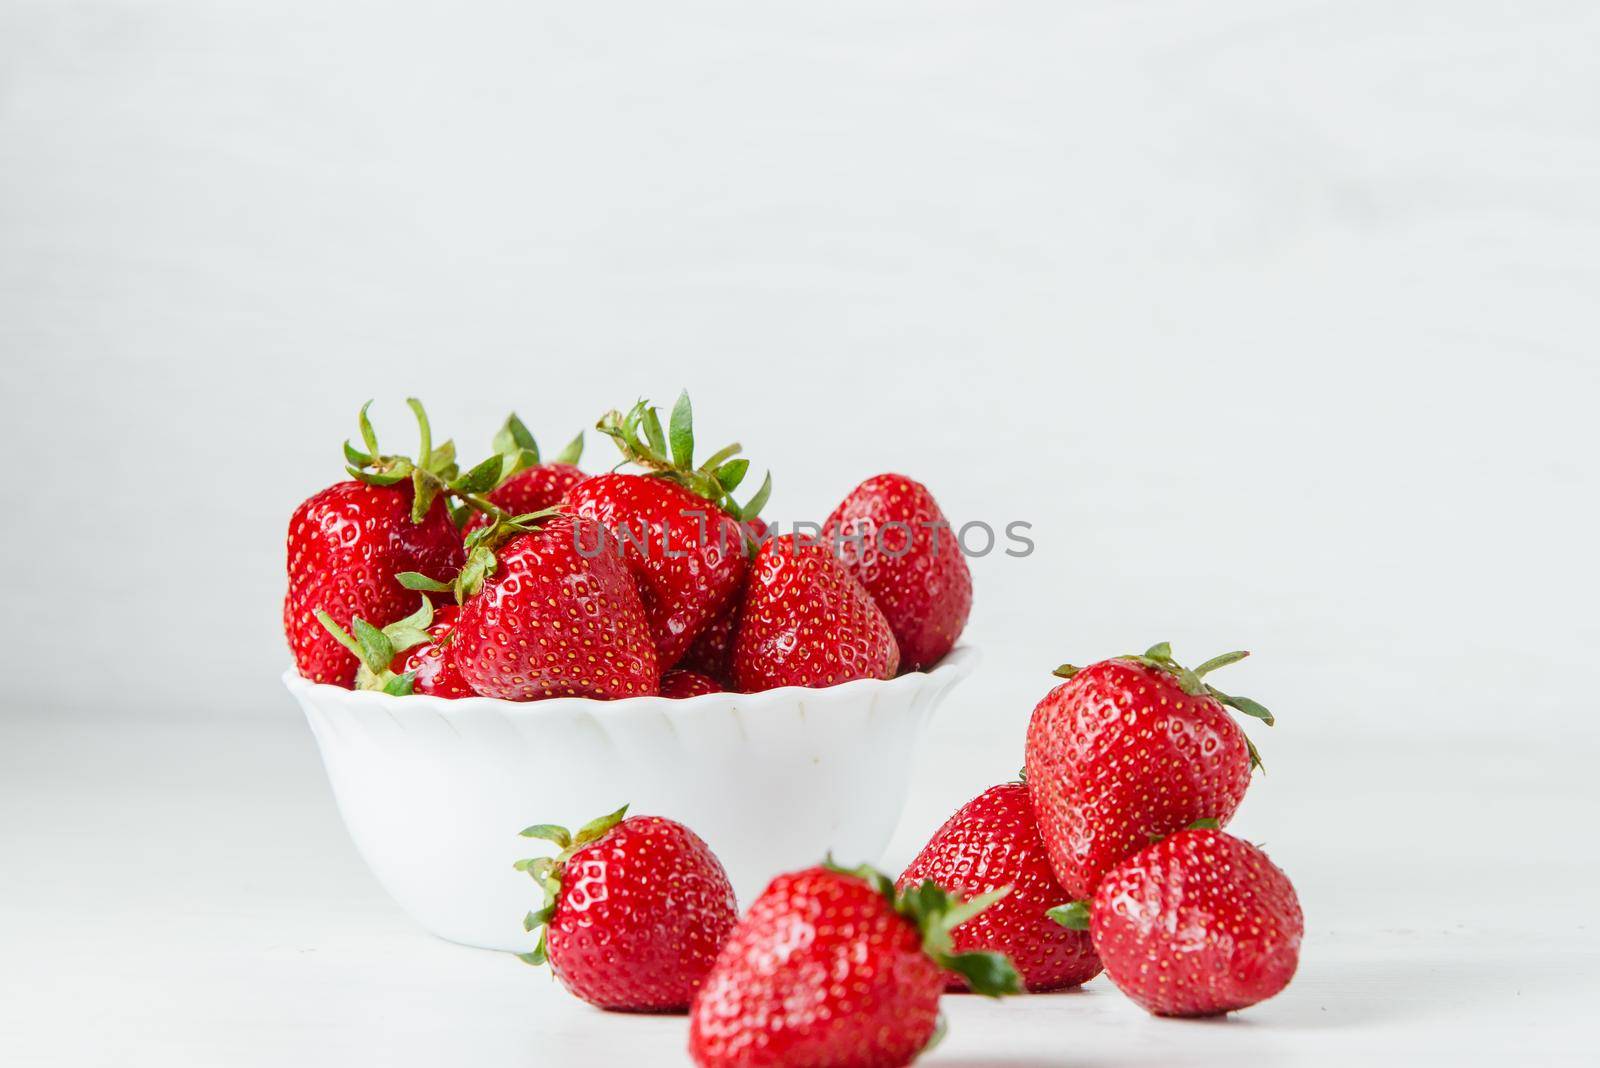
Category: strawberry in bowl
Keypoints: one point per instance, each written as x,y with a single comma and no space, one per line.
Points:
642,632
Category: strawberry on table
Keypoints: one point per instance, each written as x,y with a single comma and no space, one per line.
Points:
993,842
635,911
1199,923
892,536
347,543
526,483
1130,749
807,622
678,525
832,967
681,683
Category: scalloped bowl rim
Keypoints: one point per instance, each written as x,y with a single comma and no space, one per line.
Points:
957,663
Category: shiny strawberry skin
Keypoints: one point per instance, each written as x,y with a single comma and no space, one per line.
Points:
532,489
712,652
1119,754
807,622
821,971
555,621
642,914
1198,924
433,663
345,546
685,552
681,683
992,842
915,571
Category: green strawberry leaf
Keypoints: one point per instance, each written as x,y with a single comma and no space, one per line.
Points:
514,437
730,474
573,451
681,430
376,649
401,685
415,580
597,828
368,436
989,974
1074,915
482,477
548,832
752,507
1220,661
339,633
1245,705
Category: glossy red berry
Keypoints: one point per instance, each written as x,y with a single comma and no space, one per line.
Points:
808,622
1121,753
1198,924
893,537
833,968
636,912
433,664
558,616
686,554
990,843
530,490
345,545
681,683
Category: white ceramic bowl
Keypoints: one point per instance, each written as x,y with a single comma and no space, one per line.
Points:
434,791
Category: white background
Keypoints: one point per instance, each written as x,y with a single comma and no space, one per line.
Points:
1277,320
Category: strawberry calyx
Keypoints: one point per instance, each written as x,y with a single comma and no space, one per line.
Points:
431,472
376,647
1074,915
515,447
1159,657
481,546
546,871
669,454
935,912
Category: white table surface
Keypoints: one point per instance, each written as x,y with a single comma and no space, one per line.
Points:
183,893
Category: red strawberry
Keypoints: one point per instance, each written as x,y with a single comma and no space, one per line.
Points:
892,536
347,542
432,665
990,843
712,652
685,578
526,484
635,911
1129,749
550,610
535,489
680,683
678,527
1198,924
410,655
831,967
807,622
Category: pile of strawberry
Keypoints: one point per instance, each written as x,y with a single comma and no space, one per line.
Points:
524,579
1108,856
